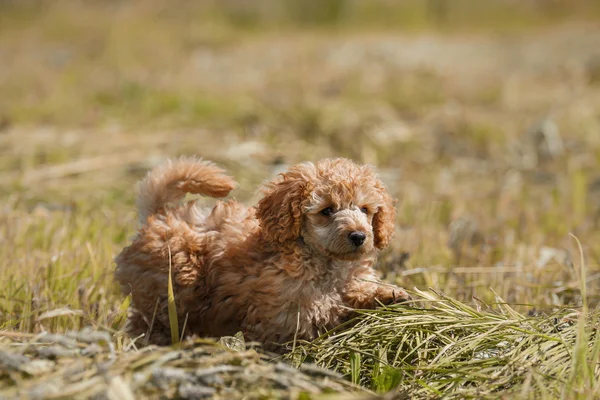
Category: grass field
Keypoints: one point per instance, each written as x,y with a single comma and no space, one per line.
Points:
484,122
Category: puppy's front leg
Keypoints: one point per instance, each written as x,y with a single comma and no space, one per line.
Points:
364,290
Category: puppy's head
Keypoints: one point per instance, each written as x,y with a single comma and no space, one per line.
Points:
338,208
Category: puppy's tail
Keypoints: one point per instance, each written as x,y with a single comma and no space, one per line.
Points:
168,183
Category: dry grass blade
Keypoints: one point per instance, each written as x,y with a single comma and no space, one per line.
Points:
58,312
76,167
173,320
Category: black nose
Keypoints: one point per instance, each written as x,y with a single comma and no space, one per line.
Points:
357,238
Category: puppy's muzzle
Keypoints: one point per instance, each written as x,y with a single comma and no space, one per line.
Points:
357,238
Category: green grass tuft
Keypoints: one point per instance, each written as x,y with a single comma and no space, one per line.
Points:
453,349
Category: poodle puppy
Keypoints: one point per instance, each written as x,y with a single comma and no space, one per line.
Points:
293,266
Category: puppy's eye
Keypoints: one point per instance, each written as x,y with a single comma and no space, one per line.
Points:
365,210
327,211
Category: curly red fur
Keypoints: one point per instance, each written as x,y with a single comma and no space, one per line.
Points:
279,211
291,264
384,219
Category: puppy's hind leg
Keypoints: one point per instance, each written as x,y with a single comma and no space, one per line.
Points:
164,244
148,331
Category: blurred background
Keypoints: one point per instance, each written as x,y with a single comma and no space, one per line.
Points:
483,118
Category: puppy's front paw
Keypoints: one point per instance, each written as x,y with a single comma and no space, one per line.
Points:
389,295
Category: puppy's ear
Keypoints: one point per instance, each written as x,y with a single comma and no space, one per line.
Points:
384,220
280,210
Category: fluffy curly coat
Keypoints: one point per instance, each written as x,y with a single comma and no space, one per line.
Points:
295,264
